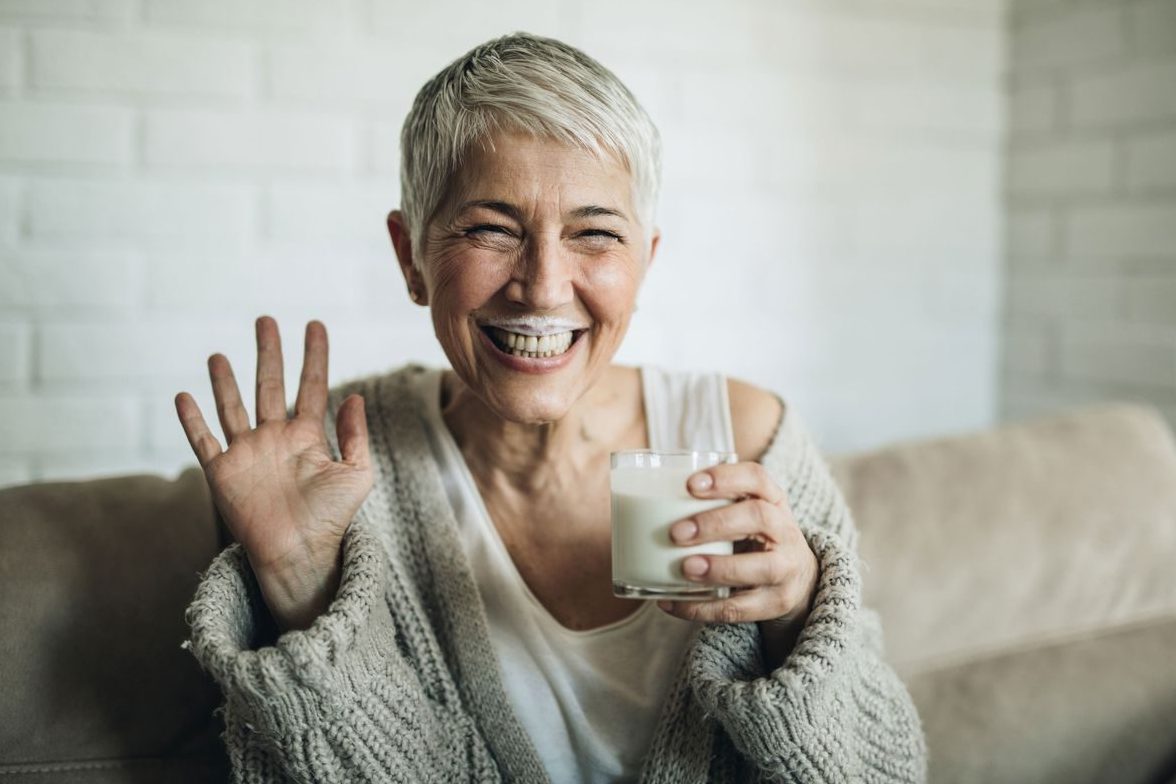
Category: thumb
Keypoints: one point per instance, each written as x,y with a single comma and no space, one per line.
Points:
351,425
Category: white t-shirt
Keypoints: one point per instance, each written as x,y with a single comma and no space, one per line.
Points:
589,700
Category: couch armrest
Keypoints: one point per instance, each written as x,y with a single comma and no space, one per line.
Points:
1024,533
1099,708
94,580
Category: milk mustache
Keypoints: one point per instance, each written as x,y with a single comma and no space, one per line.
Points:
645,503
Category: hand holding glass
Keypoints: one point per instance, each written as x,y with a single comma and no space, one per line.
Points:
649,495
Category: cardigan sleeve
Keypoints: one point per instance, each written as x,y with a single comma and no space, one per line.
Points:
335,702
834,711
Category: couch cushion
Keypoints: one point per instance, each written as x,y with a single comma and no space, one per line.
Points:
94,579
1020,534
1098,709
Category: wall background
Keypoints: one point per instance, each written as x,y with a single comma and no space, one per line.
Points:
1091,205
832,210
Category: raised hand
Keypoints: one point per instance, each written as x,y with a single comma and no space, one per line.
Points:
279,489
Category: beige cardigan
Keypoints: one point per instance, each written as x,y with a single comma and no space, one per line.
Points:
398,681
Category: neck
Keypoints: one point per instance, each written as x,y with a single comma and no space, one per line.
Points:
529,458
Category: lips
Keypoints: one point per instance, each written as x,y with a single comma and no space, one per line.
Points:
519,344
527,362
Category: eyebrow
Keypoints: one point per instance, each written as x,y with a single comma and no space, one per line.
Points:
511,211
594,211
506,209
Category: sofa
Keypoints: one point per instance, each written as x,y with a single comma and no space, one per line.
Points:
1025,574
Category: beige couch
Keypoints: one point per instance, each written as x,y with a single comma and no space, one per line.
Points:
1026,576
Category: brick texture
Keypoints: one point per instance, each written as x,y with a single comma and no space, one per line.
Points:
67,10
15,355
10,215
56,282
43,133
1090,182
1124,95
170,170
55,423
10,60
110,210
246,140
142,63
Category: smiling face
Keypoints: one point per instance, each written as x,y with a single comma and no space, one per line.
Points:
541,239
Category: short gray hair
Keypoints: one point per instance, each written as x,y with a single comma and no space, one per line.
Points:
524,83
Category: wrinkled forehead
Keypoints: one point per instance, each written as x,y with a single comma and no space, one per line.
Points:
540,175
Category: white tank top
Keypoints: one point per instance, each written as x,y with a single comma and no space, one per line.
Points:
588,699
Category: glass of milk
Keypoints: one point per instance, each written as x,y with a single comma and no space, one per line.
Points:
648,496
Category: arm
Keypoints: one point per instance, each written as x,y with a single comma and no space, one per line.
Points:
833,711
332,699
335,702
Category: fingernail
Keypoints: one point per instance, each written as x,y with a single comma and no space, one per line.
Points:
703,481
694,566
667,606
684,531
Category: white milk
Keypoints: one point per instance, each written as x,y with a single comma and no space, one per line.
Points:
645,503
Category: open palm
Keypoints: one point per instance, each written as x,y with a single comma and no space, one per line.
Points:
279,489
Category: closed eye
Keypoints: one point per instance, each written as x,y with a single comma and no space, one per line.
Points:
601,233
487,228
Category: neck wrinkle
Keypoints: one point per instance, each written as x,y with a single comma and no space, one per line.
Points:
519,457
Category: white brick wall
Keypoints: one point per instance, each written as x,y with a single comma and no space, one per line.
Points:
49,423
1131,93
267,142
1091,185
141,63
10,60
1150,162
66,283
49,133
171,169
9,210
117,211
67,11
15,354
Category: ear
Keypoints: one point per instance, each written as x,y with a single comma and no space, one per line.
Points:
402,244
654,241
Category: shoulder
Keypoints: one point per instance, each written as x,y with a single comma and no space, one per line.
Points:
756,415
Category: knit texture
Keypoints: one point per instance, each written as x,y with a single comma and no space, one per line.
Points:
398,682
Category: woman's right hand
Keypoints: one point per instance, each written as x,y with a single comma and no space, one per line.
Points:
280,491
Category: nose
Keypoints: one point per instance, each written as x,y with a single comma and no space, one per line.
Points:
544,279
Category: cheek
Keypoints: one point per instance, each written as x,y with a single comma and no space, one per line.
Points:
614,286
466,280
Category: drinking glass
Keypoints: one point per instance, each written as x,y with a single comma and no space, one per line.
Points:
648,496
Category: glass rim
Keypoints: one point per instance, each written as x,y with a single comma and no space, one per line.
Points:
722,452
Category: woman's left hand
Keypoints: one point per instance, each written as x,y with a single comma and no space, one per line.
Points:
773,572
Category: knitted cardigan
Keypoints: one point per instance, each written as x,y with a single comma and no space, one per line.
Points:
398,681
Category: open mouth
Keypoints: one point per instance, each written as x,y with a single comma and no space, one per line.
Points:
530,346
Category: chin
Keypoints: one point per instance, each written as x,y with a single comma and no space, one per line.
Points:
532,409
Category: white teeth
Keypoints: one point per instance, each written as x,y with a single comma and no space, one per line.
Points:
532,345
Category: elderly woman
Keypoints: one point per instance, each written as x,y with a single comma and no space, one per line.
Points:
420,588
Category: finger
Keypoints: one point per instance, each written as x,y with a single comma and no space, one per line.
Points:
271,386
200,438
764,567
351,425
234,419
312,386
735,480
745,607
730,523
